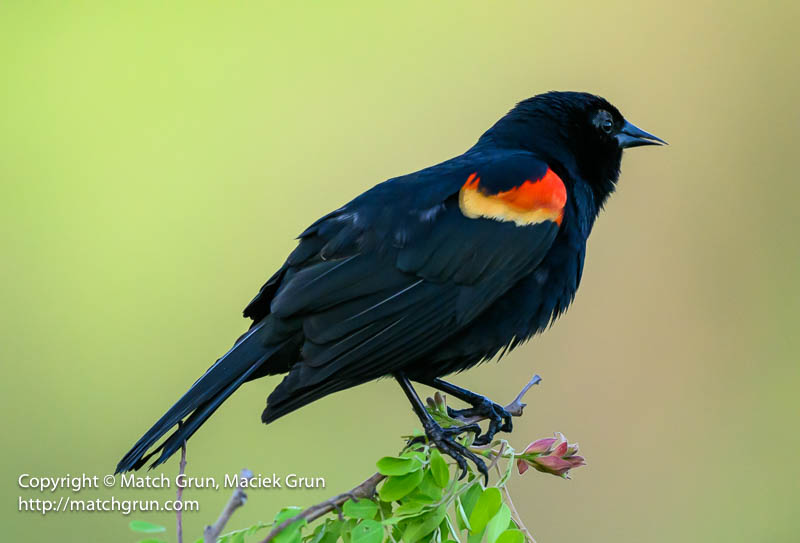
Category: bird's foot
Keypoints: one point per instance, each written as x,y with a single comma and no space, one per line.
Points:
445,441
499,418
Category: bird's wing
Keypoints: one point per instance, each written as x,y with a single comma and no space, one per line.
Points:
398,270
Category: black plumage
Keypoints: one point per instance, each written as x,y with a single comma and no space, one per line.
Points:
428,273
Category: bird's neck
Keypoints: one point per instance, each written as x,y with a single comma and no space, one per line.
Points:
584,209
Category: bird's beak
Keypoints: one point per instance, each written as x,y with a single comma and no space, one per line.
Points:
631,136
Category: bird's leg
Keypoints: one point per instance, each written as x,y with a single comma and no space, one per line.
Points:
499,418
444,438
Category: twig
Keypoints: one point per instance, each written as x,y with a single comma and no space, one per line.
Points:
363,490
514,408
238,499
179,497
496,458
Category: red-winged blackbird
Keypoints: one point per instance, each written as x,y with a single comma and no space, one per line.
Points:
428,273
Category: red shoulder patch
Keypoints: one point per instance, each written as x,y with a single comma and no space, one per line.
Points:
533,201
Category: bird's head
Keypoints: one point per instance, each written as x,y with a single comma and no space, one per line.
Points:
577,132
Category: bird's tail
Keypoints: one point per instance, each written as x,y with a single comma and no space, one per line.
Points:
227,374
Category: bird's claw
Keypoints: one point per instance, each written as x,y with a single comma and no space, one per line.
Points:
499,418
448,433
444,439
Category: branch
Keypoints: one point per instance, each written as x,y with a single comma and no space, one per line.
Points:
238,499
364,490
515,407
179,497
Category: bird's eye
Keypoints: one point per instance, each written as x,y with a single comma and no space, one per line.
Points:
604,121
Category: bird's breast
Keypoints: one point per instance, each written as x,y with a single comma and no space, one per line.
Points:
526,309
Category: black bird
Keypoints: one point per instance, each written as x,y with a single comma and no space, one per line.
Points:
427,274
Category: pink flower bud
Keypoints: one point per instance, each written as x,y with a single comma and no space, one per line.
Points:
552,464
561,449
541,445
551,455
576,461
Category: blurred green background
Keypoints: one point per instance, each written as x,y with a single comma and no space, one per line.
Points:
157,160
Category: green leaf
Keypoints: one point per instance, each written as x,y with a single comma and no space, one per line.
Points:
414,453
470,498
241,534
317,534
428,489
511,536
396,487
498,524
475,537
386,509
334,526
146,527
347,529
411,508
238,536
363,508
287,513
391,521
395,465
444,529
256,527
462,518
151,541
451,529
422,526
439,469
291,534
486,507
367,531
328,532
